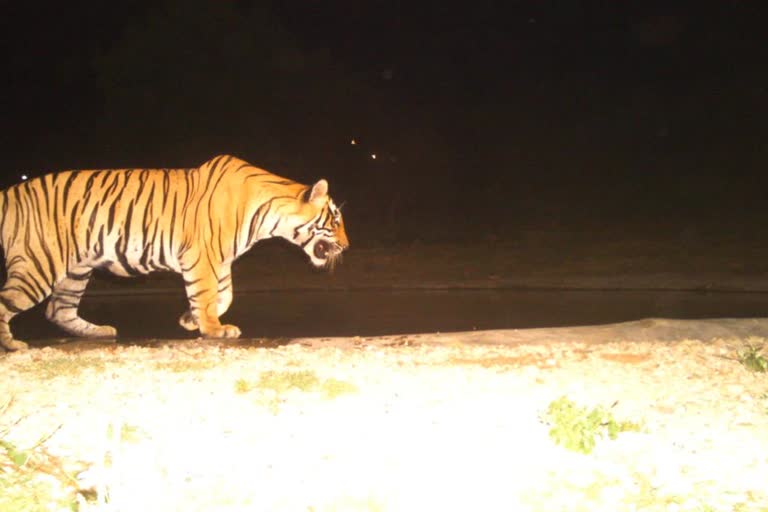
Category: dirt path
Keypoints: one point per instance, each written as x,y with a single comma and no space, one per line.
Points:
417,422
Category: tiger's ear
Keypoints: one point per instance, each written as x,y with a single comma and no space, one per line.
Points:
319,191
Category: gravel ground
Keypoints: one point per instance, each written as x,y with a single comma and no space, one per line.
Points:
395,424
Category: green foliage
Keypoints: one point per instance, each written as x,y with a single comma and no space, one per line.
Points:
16,456
8,450
753,358
242,386
577,428
128,433
188,365
64,365
334,387
279,382
24,491
32,479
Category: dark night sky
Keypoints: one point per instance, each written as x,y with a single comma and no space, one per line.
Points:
485,117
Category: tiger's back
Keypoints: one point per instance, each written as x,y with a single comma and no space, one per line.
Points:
57,228
95,218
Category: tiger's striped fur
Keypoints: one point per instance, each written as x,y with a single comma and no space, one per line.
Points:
57,228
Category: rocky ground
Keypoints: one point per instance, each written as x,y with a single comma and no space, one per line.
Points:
439,422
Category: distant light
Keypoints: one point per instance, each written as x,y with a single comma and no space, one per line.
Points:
353,142
373,155
24,177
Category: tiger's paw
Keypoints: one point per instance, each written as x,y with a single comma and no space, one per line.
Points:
103,331
187,321
223,331
12,345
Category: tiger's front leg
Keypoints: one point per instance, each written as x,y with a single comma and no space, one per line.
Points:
209,290
223,300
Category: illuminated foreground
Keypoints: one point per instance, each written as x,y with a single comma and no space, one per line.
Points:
390,424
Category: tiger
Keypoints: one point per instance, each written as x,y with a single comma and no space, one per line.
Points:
57,229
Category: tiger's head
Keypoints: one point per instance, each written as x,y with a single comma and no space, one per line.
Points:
321,235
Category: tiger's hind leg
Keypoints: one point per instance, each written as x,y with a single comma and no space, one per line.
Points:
62,308
223,301
18,294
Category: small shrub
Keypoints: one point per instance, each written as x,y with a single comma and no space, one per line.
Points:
16,456
280,382
128,433
64,365
303,380
32,479
243,386
188,365
334,387
577,428
764,398
753,358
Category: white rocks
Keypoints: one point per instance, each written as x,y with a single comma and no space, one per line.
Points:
429,427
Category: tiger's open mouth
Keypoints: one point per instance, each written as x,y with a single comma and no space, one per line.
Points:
322,248
328,252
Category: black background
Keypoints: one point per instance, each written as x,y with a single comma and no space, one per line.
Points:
486,117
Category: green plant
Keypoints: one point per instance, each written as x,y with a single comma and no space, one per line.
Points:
243,386
279,382
128,433
16,456
753,358
69,365
577,428
764,398
334,387
9,453
185,365
32,479
303,380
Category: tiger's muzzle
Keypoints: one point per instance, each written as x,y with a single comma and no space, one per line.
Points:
328,252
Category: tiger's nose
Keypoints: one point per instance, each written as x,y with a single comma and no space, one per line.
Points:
342,240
